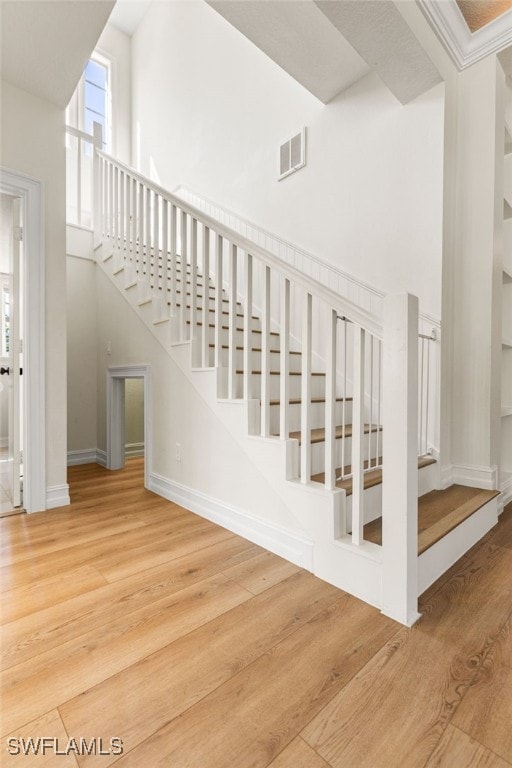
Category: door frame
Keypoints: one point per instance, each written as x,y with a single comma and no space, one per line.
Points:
33,393
116,376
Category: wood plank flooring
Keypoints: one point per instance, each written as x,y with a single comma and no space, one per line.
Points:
126,616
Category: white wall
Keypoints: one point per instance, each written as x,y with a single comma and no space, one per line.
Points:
134,412
81,368
116,46
210,111
212,461
32,142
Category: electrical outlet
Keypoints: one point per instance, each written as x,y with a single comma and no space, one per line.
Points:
178,451
109,347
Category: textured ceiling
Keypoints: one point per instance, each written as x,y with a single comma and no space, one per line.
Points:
297,36
478,13
45,44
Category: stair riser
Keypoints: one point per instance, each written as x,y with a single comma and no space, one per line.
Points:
256,338
275,360
317,416
317,386
318,453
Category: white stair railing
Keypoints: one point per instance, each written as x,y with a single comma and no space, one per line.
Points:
237,304
168,243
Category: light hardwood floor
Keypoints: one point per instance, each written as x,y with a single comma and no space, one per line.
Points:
126,616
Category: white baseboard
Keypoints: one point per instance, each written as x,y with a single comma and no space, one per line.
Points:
293,547
57,496
506,492
81,457
133,449
101,457
475,477
87,456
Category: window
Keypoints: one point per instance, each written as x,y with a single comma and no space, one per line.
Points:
96,98
92,100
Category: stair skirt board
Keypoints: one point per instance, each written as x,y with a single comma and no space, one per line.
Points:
443,554
287,544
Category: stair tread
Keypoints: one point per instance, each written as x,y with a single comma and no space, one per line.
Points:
256,349
439,512
278,373
298,400
226,328
372,477
318,434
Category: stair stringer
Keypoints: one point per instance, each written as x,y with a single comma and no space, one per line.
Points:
320,513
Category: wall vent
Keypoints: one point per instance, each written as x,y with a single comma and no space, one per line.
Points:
292,155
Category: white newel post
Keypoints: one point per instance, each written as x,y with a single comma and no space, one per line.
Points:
400,459
96,184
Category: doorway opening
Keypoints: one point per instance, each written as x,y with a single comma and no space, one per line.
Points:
129,417
11,364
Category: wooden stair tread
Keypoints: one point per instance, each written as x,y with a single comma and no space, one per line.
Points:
318,434
439,512
298,400
371,476
278,373
226,328
256,349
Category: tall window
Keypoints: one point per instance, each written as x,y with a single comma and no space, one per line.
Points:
96,98
92,100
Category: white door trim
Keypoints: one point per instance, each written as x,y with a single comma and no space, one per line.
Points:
33,383
116,375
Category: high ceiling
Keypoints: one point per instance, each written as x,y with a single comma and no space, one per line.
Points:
479,13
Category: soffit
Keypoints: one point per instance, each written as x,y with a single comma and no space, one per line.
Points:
45,44
300,39
385,41
128,14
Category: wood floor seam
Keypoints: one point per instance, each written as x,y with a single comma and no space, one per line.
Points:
485,746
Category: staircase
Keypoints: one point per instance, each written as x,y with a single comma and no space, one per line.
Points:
322,395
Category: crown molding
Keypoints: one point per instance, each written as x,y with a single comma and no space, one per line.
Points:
465,47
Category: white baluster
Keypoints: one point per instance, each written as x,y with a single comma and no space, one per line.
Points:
193,280
305,410
232,322
218,300
122,230
206,298
248,287
156,244
174,267
358,436
111,205
284,358
184,263
330,402
165,258
265,356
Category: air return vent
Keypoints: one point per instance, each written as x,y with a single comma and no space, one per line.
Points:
292,154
